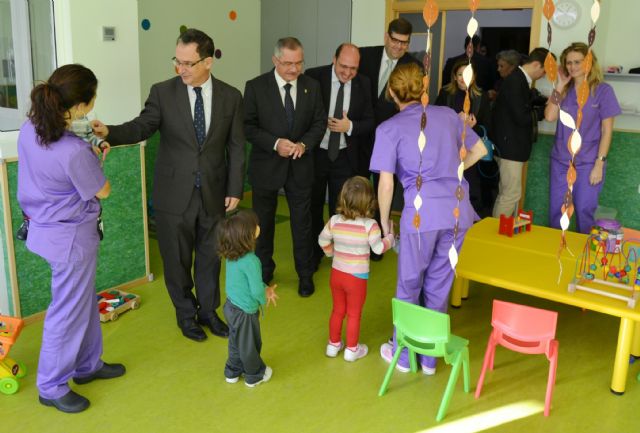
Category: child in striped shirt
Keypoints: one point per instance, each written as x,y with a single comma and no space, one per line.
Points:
348,237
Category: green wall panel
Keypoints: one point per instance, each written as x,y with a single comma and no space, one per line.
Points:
122,254
620,189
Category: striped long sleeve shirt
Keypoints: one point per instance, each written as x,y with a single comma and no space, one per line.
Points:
349,242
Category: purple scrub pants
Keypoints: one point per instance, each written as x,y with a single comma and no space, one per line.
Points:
585,195
72,338
425,275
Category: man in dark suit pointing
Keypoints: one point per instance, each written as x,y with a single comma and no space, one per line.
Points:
198,176
347,99
284,121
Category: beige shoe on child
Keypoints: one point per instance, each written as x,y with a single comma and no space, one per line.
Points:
333,349
353,355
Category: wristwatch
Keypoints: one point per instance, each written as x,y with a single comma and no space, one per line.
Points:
602,158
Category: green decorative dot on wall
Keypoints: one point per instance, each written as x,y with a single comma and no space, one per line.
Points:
233,15
145,24
183,29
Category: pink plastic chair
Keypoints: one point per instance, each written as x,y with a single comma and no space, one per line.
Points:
526,330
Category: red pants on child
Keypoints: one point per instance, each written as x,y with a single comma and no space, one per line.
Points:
349,293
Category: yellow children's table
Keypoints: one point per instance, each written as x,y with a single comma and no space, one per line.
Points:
528,263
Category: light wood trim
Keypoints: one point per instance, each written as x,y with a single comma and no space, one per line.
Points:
452,5
443,32
11,252
145,219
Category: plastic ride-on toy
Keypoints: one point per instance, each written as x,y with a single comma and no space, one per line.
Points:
10,370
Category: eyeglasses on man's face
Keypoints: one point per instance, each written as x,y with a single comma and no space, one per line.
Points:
187,65
299,64
396,41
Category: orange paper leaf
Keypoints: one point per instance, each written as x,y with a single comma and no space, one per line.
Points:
588,63
571,175
430,12
456,212
583,93
416,220
473,5
424,99
463,153
551,67
548,9
467,103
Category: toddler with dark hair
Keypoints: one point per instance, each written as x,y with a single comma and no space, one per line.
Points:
246,294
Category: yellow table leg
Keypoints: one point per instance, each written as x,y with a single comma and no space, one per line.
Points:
465,290
635,343
621,363
460,285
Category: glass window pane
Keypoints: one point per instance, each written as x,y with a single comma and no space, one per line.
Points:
8,96
43,54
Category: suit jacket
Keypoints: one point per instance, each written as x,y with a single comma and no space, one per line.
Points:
479,106
221,160
370,58
512,119
360,113
266,121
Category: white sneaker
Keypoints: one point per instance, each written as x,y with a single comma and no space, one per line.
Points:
267,375
232,379
429,371
353,355
386,352
333,350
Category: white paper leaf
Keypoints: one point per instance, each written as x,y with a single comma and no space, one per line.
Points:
417,202
467,75
595,11
564,221
460,171
567,120
453,256
422,141
472,27
576,142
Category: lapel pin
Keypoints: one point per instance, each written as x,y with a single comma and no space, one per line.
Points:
305,91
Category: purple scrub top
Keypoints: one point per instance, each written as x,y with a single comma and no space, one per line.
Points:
396,151
56,189
599,106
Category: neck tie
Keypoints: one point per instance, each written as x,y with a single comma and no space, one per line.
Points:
288,105
385,76
334,137
198,117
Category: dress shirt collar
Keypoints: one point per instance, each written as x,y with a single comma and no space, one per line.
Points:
206,86
281,81
529,80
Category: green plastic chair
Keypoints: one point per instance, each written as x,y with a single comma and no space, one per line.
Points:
427,332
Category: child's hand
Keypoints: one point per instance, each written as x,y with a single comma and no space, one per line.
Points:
270,293
105,147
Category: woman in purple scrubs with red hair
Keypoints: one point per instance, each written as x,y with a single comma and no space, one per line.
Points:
424,272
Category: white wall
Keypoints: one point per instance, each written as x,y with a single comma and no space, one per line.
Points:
367,22
116,64
238,40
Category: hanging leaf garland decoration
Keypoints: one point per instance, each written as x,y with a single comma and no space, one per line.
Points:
430,15
574,142
467,77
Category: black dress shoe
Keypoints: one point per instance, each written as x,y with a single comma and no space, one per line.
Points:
306,287
108,371
192,330
216,325
68,403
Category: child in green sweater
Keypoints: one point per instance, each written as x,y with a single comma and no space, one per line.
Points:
246,294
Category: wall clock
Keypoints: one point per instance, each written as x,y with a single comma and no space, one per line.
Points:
566,14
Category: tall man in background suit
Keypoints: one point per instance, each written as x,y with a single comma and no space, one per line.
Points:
284,121
198,176
347,99
512,129
377,63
